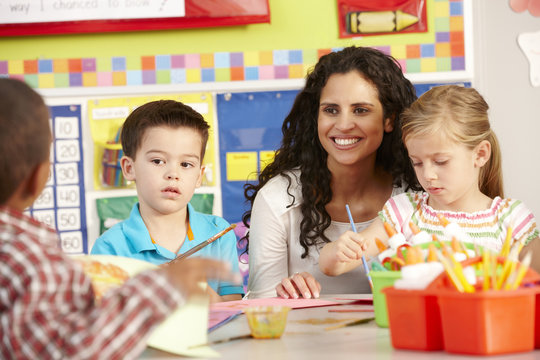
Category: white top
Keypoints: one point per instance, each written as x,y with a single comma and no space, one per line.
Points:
274,246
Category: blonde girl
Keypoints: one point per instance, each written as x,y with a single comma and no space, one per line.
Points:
457,160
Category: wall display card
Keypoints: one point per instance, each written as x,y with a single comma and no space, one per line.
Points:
61,205
22,17
383,17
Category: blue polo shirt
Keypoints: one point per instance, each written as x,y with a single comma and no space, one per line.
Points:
130,238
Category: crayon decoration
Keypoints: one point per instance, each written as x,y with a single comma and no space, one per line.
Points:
366,22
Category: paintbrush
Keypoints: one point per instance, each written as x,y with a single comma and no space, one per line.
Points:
349,323
240,337
204,243
364,262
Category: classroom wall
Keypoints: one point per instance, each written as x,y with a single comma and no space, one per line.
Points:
502,76
494,64
298,24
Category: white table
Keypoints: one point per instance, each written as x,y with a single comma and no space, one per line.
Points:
311,341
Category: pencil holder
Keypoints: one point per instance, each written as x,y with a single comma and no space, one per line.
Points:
479,323
488,322
382,280
497,321
414,318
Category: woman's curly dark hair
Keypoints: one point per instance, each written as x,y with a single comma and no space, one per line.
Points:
301,148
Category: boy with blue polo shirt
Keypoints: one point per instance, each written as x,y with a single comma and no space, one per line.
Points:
164,143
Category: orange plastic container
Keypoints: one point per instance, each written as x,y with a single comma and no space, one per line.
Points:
414,318
537,323
488,322
480,323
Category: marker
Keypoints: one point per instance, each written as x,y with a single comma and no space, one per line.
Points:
365,22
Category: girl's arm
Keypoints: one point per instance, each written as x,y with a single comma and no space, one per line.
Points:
345,254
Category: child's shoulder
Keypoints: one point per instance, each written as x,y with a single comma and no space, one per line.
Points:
408,198
510,206
199,219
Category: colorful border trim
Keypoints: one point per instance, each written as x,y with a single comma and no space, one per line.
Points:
446,54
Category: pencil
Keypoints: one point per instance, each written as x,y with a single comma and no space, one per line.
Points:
204,243
364,262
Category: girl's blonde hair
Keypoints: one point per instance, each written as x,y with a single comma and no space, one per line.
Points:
460,114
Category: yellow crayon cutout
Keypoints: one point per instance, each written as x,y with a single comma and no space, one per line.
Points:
365,22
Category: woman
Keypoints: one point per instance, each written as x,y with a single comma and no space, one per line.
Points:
341,145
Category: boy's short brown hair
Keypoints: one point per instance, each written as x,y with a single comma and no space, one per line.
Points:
160,113
25,134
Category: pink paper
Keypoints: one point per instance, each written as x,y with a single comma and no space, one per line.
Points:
292,303
217,318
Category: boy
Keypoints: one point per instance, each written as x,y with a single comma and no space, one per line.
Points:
164,143
47,307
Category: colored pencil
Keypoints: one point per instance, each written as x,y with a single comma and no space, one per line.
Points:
349,323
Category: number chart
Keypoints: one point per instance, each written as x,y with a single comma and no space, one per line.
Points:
61,205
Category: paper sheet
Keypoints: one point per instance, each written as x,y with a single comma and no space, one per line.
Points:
184,328
292,303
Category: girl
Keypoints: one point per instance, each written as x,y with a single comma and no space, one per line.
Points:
457,160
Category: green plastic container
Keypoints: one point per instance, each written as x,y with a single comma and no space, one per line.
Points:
381,280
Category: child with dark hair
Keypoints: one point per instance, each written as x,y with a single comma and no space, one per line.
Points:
164,143
47,304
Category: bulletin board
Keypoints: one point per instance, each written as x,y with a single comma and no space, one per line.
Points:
62,205
249,132
106,116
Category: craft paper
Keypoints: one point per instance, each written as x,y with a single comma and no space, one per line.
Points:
186,327
292,303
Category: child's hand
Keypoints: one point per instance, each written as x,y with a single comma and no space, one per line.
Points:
186,274
349,247
299,285
213,295
344,254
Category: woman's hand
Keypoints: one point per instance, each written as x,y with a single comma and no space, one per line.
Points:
299,285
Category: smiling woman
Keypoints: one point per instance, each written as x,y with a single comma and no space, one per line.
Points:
341,144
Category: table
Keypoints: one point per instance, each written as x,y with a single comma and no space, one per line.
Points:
305,337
